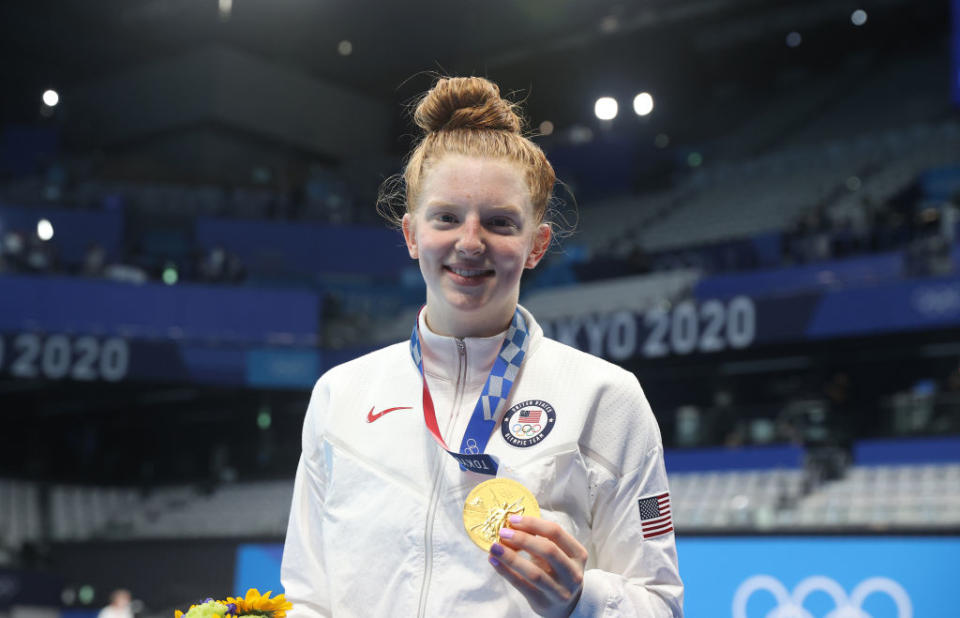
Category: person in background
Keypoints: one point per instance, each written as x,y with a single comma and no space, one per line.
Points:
119,605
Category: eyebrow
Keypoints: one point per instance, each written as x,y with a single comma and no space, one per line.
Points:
498,208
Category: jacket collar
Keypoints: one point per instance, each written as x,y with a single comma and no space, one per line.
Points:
441,355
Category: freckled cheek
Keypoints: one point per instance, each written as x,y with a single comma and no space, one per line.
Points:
434,248
512,264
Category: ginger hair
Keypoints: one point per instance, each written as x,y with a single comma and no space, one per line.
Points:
467,116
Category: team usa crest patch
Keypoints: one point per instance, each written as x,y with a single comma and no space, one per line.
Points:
528,422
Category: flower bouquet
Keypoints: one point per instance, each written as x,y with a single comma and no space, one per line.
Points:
254,605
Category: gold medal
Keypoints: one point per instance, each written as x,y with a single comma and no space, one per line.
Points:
489,506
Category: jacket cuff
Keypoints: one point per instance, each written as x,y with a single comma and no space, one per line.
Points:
596,597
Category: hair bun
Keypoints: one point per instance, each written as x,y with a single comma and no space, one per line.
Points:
465,103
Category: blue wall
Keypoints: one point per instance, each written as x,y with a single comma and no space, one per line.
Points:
850,272
73,230
747,458
306,248
186,311
906,451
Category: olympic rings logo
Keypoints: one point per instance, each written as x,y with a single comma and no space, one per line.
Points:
472,447
526,431
791,605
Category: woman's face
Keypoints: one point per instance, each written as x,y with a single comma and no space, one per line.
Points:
473,230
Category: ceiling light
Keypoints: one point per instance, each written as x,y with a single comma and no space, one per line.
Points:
643,104
605,108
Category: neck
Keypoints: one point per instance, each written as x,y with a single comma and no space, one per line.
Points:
466,325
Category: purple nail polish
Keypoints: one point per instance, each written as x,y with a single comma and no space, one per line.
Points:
516,519
496,549
506,533
494,561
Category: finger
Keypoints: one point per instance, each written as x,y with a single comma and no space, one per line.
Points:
531,573
544,550
534,596
553,531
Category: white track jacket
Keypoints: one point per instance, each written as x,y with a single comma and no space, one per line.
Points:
376,525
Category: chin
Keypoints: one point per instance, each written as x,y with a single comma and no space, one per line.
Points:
471,305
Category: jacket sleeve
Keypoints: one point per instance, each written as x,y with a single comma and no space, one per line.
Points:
633,575
303,570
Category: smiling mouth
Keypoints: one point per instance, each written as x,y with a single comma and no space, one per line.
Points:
468,273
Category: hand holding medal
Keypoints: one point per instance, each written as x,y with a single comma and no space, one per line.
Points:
503,517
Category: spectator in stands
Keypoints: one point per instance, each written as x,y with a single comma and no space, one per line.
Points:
841,413
946,418
14,251
41,255
476,194
119,605
221,266
94,260
929,251
949,217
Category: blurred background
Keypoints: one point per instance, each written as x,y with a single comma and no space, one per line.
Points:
767,195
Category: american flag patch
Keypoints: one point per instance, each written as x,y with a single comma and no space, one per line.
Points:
530,416
655,515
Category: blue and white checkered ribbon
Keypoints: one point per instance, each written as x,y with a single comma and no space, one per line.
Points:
495,392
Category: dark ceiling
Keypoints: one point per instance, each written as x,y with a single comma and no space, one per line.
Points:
561,54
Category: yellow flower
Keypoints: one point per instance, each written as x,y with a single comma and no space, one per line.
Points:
255,601
178,614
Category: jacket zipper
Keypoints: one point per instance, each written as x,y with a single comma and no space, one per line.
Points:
438,479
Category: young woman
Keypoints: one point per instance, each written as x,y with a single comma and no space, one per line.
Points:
394,442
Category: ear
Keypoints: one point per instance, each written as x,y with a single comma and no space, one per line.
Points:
410,236
541,242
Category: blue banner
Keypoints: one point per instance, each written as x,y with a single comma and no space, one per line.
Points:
905,306
278,367
258,566
804,279
884,452
739,322
93,358
187,312
772,457
820,577
760,577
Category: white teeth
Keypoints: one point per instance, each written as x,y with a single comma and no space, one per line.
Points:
467,273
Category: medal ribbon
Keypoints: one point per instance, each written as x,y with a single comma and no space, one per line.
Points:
495,392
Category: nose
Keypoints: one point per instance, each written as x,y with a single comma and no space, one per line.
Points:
470,242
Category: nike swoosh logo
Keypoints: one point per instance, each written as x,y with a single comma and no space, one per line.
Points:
372,417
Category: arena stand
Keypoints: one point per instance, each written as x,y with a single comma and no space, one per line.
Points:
891,485
651,258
